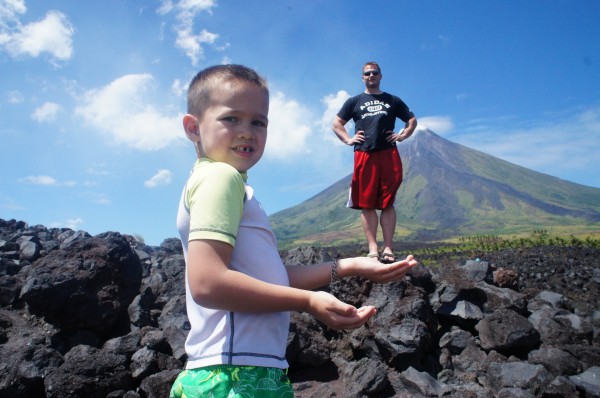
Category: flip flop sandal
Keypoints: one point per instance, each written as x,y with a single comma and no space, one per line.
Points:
387,258
373,255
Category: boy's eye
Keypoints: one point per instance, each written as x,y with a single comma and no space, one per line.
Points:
259,123
231,119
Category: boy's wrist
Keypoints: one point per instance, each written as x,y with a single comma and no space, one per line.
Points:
341,268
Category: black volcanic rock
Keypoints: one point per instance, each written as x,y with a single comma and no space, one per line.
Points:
105,316
95,275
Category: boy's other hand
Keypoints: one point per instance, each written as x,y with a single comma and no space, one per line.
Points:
337,314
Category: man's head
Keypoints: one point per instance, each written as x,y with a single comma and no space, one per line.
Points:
371,66
371,75
228,107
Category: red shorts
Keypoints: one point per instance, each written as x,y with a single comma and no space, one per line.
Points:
376,179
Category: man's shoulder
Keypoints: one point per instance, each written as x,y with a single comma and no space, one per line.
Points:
355,98
359,98
349,105
387,95
391,98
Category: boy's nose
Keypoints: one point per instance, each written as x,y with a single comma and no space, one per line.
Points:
245,131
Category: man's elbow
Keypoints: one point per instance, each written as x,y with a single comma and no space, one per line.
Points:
411,125
338,123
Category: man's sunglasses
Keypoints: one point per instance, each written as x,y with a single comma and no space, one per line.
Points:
371,72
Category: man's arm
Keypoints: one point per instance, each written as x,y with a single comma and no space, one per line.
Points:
340,130
409,129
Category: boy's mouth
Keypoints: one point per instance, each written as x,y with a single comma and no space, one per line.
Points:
244,149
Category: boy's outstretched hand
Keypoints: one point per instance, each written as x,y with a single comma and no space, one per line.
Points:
337,314
372,269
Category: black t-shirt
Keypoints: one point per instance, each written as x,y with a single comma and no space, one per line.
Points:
374,114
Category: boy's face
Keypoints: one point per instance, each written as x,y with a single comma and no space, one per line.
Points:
233,129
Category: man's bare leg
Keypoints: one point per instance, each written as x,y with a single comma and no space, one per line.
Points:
388,227
370,223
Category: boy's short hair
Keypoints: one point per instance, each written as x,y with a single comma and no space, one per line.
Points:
203,84
372,63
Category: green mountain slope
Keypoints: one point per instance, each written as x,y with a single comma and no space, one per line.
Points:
449,190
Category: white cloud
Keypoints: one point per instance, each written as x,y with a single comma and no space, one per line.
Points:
186,40
46,180
437,124
178,88
333,103
97,170
39,180
288,131
52,35
96,198
102,201
121,111
72,223
162,177
192,44
309,141
187,7
9,10
553,147
15,97
46,113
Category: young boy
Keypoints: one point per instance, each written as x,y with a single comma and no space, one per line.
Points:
238,291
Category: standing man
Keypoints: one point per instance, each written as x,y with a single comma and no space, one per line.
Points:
377,165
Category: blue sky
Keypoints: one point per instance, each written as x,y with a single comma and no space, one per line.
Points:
92,94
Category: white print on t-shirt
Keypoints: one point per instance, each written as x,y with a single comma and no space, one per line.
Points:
374,108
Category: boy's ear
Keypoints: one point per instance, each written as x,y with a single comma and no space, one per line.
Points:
190,125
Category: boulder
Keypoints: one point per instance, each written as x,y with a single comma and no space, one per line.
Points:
104,316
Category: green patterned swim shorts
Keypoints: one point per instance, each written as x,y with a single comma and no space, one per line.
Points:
225,381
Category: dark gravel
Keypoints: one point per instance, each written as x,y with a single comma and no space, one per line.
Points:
572,271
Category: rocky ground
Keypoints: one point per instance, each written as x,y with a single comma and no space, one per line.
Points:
104,316
571,271
568,270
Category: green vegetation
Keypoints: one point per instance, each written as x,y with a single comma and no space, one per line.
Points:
489,243
451,191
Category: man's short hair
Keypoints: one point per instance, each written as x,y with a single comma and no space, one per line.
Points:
371,63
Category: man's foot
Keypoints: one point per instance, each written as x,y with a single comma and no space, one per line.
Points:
387,257
373,255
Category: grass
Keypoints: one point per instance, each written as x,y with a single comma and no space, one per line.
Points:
478,245
487,243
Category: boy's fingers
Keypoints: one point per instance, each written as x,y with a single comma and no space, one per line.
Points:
368,310
348,310
362,315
